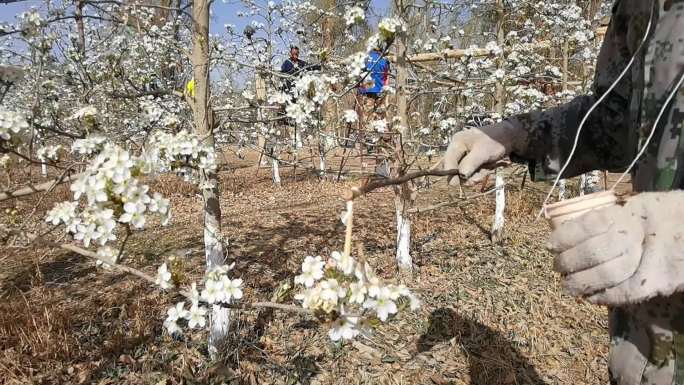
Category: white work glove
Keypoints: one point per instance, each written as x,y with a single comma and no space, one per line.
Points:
474,148
624,254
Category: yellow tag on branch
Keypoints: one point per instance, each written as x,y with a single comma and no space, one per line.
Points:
190,88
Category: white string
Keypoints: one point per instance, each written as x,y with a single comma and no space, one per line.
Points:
591,109
653,130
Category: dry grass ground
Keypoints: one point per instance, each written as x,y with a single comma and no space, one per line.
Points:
491,314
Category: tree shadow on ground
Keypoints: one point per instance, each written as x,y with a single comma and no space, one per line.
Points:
63,269
276,249
472,220
491,357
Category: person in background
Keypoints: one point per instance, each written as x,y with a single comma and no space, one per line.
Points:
371,88
293,66
371,106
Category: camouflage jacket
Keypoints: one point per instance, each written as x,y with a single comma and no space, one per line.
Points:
611,136
647,339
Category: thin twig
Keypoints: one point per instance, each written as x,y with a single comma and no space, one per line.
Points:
146,277
374,184
32,189
445,204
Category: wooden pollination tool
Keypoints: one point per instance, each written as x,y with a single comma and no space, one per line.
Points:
559,212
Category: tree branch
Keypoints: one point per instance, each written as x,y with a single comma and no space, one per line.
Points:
32,189
373,184
150,279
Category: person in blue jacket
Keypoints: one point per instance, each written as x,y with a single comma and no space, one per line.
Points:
378,74
370,107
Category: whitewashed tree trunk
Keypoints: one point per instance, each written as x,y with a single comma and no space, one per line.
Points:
404,260
219,321
497,232
276,170
590,182
561,190
404,195
321,164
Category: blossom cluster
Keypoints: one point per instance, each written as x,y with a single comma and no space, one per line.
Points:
48,153
172,152
218,289
349,292
112,194
389,26
354,15
311,91
13,126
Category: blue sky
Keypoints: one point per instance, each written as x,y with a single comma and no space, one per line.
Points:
222,13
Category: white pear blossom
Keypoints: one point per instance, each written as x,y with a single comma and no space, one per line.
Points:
354,15
89,145
382,304
63,212
164,277
172,327
177,312
133,214
107,253
86,233
345,262
312,271
344,328
213,291
331,291
196,316
379,126
232,288
12,125
350,116
358,292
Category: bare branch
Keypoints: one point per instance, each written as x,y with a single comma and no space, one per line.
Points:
32,189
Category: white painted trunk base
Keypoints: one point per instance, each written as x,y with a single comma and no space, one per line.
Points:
321,165
276,172
219,322
404,260
499,219
590,182
561,190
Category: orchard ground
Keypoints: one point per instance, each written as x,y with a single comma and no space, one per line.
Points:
490,315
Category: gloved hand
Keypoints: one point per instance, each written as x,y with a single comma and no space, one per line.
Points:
473,148
624,254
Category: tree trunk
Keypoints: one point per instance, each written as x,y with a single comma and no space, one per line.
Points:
561,190
404,194
261,94
219,321
78,17
589,183
497,232
499,219
276,169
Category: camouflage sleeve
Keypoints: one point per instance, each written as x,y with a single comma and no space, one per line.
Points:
606,139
